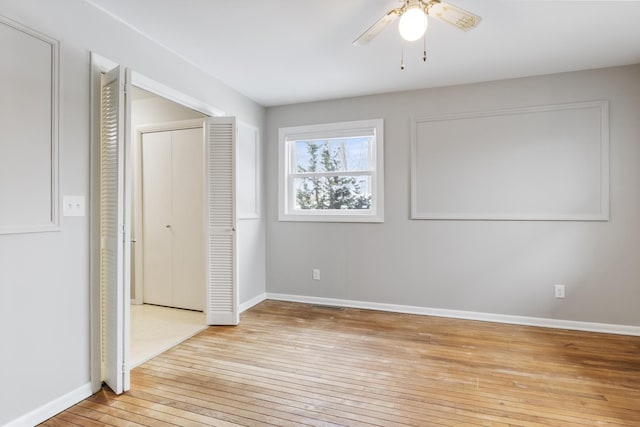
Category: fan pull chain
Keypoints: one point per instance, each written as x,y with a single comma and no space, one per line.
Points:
424,53
424,45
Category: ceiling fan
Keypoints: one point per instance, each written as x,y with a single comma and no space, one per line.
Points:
413,19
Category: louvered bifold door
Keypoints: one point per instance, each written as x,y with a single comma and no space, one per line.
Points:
222,295
112,230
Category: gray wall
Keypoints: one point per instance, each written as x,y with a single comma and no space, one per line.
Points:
501,267
44,277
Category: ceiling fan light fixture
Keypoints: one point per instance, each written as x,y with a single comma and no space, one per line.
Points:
413,23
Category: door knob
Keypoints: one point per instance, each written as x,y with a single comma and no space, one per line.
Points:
167,226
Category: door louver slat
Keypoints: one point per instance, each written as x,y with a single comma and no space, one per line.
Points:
111,220
221,192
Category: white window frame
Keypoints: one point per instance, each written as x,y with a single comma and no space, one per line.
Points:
286,199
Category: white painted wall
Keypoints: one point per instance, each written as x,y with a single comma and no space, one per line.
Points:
501,267
44,277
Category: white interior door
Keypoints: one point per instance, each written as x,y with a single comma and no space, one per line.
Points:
173,218
114,231
222,289
156,218
187,154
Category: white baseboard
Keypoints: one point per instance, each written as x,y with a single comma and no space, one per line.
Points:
52,408
253,301
468,315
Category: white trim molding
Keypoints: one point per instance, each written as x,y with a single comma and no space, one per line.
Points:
248,161
143,82
49,219
467,315
52,408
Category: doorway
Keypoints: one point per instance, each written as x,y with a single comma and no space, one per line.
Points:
111,217
168,253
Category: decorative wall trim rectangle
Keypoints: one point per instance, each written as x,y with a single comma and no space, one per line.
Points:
248,159
30,200
547,162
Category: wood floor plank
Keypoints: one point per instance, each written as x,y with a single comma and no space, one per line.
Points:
391,399
247,406
77,419
179,415
291,364
348,408
321,409
58,422
185,405
94,413
489,382
460,405
370,380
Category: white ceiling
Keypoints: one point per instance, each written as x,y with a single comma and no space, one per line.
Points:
288,51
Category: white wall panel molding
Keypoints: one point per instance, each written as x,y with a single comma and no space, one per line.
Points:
29,126
248,159
548,162
467,315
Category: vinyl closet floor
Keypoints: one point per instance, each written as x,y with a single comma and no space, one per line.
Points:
155,329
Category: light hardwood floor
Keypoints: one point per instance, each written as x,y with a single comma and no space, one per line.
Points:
294,364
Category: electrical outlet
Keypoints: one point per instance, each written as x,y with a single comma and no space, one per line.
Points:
315,274
559,291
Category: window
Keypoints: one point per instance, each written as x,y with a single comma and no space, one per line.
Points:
332,172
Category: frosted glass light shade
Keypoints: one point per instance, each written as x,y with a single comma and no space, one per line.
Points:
413,24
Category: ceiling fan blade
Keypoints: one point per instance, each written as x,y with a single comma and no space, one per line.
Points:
454,15
375,29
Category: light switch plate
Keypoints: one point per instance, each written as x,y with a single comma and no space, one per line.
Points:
73,205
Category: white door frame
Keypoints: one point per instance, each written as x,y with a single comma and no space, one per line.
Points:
99,65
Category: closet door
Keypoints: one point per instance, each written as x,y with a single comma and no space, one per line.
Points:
114,229
157,218
187,149
222,281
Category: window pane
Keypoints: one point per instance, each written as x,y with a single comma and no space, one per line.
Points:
333,192
308,155
332,155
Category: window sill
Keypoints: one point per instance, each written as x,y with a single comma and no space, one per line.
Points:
368,218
